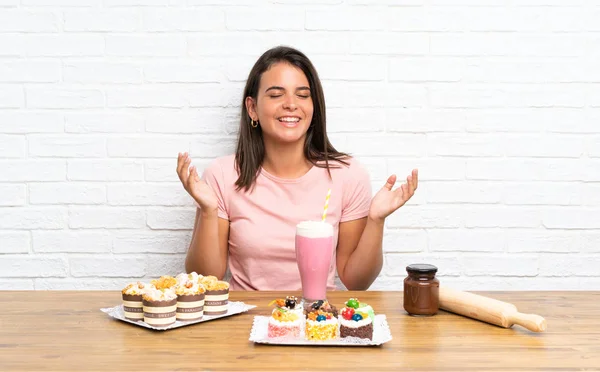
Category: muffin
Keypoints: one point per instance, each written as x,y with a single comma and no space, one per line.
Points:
160,307
132,300
164,282
216,300
190,300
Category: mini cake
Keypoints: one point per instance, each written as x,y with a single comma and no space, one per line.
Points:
321,326
216,300
365,309
160,307
321,305
286,318
164,282
190,300
132,300
354,323
185,277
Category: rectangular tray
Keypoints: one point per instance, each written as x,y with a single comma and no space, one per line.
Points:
381,335
233,309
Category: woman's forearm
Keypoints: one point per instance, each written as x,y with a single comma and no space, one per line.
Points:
204,254
365,263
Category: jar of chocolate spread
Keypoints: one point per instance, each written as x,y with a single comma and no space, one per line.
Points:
421,290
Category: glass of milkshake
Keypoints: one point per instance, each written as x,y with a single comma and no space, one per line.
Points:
314,252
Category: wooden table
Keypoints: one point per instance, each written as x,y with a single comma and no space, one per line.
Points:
66,331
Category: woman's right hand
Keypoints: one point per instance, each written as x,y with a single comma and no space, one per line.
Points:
197,188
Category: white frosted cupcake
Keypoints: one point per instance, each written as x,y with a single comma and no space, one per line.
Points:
216,300
185,277
160,307
132,300
190,300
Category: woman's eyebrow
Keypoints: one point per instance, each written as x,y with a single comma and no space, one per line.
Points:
275,87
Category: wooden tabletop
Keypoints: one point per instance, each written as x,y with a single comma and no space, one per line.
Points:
67,331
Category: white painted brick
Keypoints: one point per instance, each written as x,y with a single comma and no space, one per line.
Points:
172,20
526,69
110,267
351,18
9,3
12,195
26,266
11,96
507,44
561,146
273,18
424,120
404,240
594,147
27,218
590,242
32,170
502,216
105,170
66,193
106,217
395,263
121,3
390,43
430,169
521,284
415,69
376,167
530,169
571,218
386,2
182,72
355,120
426,217
18,122
171,194
406,19
470,192
11,45
385,283
228,2
147,147
65,241
66,146
471,145
146,96
28,21
61,3
101,72
17,284
14,242
213,95
58,97
351,68
23,71
313,42
171,218
512,120
211,147
590,194
368,94
148,45
158,265
12,146
62,44
507,95
569,265
526,240
231,44
114,20
500,265
387,145
103,122
466,240
199,121
537,193
152,242
165,170
82,284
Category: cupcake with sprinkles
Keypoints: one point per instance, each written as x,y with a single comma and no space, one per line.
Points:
190,300
355,320
286,318
321,325
185,277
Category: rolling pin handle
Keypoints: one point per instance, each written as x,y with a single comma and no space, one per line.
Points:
532,322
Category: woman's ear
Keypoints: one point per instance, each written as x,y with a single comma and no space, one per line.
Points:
251,108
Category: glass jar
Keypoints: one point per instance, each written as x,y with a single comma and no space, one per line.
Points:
421,290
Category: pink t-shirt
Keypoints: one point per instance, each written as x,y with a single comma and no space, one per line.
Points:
262,222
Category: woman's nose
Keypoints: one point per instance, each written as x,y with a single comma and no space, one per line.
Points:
289,102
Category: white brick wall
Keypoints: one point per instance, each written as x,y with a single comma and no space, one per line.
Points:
497,103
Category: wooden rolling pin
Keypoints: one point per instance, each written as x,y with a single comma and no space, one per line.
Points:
488,310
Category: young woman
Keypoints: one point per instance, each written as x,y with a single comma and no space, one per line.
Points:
250,202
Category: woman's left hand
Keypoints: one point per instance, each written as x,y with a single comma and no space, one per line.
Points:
387,200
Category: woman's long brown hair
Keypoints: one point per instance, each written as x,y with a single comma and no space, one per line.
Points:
250,151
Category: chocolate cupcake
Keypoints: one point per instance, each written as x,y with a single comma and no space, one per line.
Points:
216,301
190,300
160,307
132,300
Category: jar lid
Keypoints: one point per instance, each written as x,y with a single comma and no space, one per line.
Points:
421,269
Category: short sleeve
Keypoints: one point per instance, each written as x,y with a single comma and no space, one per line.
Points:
213,176
357,192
